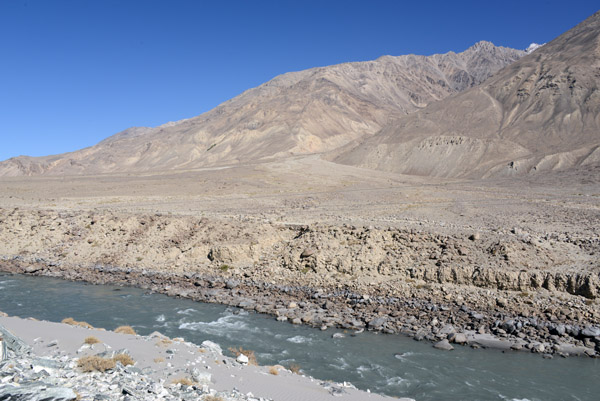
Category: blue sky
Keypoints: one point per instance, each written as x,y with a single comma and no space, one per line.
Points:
75,72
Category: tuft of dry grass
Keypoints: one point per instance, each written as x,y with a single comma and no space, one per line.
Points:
125,330
273,370
250,354
98,364
73,322
294,368
184,381
91,340
95,363
125,359
164,342
159,360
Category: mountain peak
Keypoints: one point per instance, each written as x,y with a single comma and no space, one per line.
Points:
482,45
539,114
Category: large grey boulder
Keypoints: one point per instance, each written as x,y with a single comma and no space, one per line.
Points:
13,342
591,331
36,392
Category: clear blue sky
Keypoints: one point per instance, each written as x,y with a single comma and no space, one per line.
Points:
75,72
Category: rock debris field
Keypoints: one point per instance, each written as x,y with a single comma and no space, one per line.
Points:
52,361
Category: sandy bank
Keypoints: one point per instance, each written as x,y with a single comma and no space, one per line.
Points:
163,361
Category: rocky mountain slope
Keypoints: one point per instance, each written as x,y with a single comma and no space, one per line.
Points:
311,111
540,113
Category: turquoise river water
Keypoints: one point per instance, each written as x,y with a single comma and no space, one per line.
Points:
388,364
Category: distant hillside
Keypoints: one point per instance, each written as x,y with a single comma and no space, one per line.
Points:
312,111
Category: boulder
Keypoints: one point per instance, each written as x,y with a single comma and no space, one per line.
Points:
447,329
475,236
211,346
458,338
308,252
558,329
501,302
443,345
36,392
590,331
231,284
538,348
12,342
377,323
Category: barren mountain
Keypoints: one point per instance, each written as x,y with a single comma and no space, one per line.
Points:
540,113
311,111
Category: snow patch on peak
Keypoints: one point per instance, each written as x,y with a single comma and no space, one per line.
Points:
533,47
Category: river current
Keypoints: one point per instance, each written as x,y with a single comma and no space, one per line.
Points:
389,364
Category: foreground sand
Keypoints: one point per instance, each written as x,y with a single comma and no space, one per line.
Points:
169,360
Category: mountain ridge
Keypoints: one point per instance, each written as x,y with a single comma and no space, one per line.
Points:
303,112
540,113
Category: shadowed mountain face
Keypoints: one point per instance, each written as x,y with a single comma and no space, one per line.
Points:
312,111
541,113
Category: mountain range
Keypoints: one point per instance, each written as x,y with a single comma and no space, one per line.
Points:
540,113
487,111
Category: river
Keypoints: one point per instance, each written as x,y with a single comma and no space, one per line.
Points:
389,364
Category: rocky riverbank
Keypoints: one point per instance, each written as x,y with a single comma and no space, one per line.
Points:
509,289
57,362
431,315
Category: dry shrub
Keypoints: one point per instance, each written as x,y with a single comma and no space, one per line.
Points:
212,398
91,340
250,354
273,370
184,381
159,360
95,363
124,359
73,322
294,368
164,342
125,330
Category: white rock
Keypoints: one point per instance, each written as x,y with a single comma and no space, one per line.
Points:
203,377
242,359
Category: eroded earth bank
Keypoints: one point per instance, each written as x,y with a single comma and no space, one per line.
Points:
505,288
